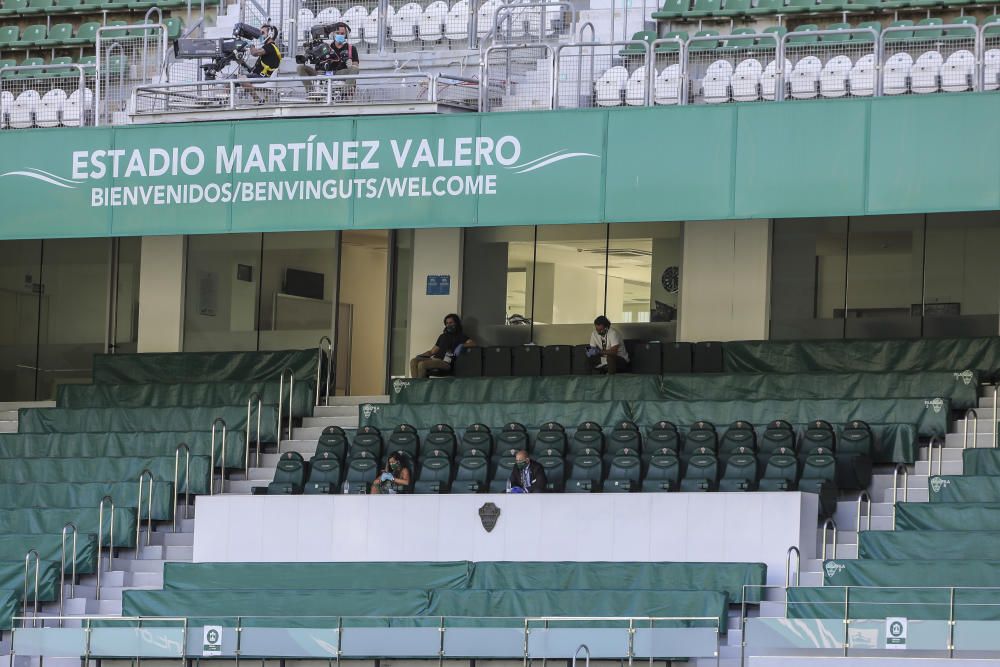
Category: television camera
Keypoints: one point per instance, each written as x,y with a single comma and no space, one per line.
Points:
222,52
320,53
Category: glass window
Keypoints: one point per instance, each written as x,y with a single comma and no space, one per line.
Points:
496,291
644,272
402,272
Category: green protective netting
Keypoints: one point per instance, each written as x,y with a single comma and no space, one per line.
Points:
985,461
8,607
12,577
972,573
88,445
728,578
84,494
183,395
72,471
932,604
920,544
174,367
52,520
877,356
145,420
947,516
964,489
49,547
959,388
319,576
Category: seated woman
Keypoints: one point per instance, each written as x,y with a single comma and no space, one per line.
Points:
449,344
394,479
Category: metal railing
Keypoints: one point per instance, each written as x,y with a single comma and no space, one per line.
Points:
145,474
62,569
945,59
34,596
281,402
895,488
617,85
586,655
211,463
829,63
827,526
457,91
525,22
864,498
514,77
126,57
936,442
187,479
975,429
788,565
105,501
250,405
320,349
47,96
996,387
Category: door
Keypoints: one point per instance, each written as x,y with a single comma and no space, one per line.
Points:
364,303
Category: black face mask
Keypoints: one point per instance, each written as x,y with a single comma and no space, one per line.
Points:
394,467
451,328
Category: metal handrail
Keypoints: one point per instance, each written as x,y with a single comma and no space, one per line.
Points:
27,563
62,570
586,656
187,479
97,39
782,77
936,442
975,429
281,401
542,28
82,77
211,462
906,488
260,407
788,565
593,46
864,498
149,511
106,500
484,65
995,388
329,366
826,526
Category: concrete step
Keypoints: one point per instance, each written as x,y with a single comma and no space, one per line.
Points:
162,552
343,421
313,433
340,401
8,415
8,427
304,447
136,566
185,523
946,468
239,486
172,539
323,411
983,439
16,405
946,454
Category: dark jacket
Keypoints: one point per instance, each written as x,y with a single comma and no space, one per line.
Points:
536,478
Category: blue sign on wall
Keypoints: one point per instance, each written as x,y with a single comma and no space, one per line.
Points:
438,285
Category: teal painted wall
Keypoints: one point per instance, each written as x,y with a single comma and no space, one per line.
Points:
910,154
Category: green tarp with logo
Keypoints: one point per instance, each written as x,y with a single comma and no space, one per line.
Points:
877,603
876,356
173,367
52,519
190,395
8,607
921,544
145,420
84,494
14,546
12,577
118,444
983,461
972,573
73,471
964,489
959,388
947,516
318,576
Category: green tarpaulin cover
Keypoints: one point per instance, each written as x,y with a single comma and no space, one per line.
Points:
8,607
145,420
190,395
921,544
971,573
877,356
70,470
84,494
947,516
49,547
876,603
87,445
984,461
964,489
12,577
173,367
959,388
52,519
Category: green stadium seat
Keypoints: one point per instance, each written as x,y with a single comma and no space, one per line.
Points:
672,9
663,472
836,38
706,45
740,472
702,472
476,441
58,34
799,7
736,42
902,34
361,472
134,5
589,436
585,474
647,36
441,438
114,5
663,435
625,473
734,8
30,62
777,30
174,27
928,22
701,436
502,467
818,435
324,475
332,442
551,435
404,439
8,35
739,436
366,441
762,7
838,6
797,38
30,37
667,47
61,72
36,7
434,475
113,34
991,25
514,437
702,9
88,61
7,62
625,436
12,7
85,34
968,29
780,471
867,37
924,4
854,456
289,476
472,475
65,6
819,474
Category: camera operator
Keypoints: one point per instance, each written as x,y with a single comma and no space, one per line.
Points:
341,59
268,60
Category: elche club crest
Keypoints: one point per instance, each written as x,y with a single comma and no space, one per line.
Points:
832,568
399,384
964,377
936,404
368,409
938,483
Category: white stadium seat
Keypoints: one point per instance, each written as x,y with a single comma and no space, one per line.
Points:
403,26
958,71
896,72
862,76
329,15
23,111
991,70
355,18
456,26
486,17
769,78
635,89
610,86
51,106
804,80
746,80
667,86
369,26
926,73
304,21
833,78
76,106
6,104
715,85
432,21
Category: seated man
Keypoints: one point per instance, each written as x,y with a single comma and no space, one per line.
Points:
341,58
527,476
449,345
607,348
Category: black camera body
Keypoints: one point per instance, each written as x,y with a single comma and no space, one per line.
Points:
320,53
221,51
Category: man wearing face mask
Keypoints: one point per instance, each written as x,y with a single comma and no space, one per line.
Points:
449,345
342,59
527,476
